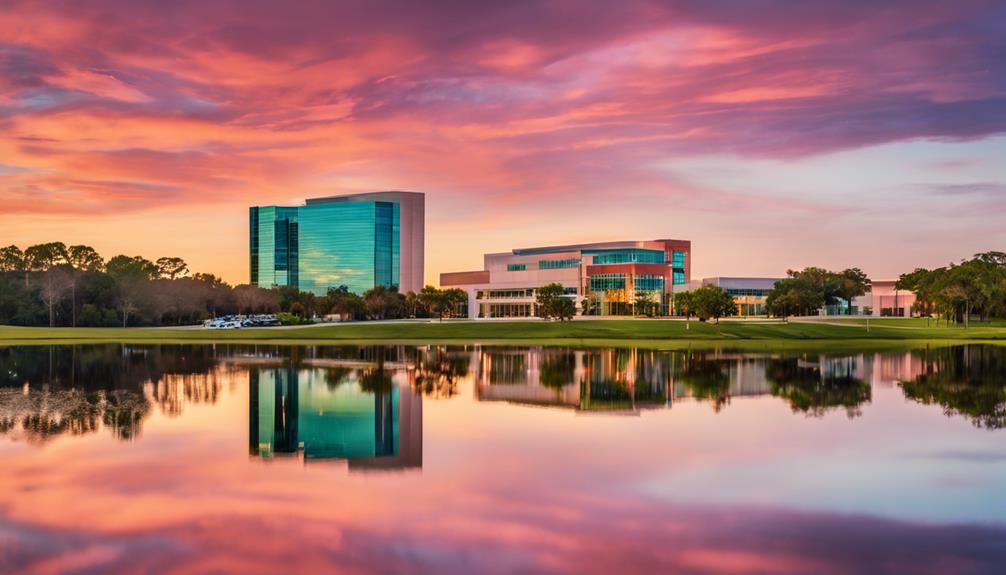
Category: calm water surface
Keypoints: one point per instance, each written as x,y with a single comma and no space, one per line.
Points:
261,459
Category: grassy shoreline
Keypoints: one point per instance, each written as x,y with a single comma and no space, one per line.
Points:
619,333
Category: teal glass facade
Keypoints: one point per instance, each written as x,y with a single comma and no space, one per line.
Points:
558,264
649,283
316,247
678,266
678,260
628,256
605,282
274,246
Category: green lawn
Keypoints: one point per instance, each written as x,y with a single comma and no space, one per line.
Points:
601,332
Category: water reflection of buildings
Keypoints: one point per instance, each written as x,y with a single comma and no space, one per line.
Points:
613,380
631,380
364,413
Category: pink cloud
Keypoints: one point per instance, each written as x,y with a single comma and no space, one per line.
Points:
233,103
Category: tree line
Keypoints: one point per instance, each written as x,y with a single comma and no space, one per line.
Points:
58,285
806,291
959,291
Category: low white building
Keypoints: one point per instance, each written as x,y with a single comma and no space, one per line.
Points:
609,276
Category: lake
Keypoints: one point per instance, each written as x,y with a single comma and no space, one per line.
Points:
501,459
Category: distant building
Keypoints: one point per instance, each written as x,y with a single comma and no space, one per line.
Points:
359,241
749,293
609,275
884,299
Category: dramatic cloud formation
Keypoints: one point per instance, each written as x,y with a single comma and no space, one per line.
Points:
528,122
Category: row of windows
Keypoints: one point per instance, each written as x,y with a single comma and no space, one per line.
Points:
678,260
317,247
515,293
745,309
504,293
386,244
750,292
649,283
516,267
605,282
507,310
630,256
558,264
253,236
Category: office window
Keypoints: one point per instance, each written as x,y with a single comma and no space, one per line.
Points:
605,282
505,293
679,278
253,243
628,256
678,260
749,292
558,264
344,244
649,283
385,244
516,267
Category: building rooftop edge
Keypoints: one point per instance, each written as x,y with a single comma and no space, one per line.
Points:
584,246
363,196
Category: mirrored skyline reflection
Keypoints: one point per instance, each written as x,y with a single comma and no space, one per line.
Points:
729,462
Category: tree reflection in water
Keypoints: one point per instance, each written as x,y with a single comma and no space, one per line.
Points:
439,369
557,370
48,391
969,381
38,415
706,376
815,386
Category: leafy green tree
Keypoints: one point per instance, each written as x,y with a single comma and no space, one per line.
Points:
383,302
712,302
84,258
552,302
684,304
457,297
12,259
135,267
922,283
41,257
434,300
852,283
806,291
645,303
345,304
414,306
171,268
565,309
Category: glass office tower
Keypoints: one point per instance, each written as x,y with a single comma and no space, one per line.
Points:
358,241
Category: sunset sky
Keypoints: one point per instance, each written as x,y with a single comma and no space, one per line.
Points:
773,134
